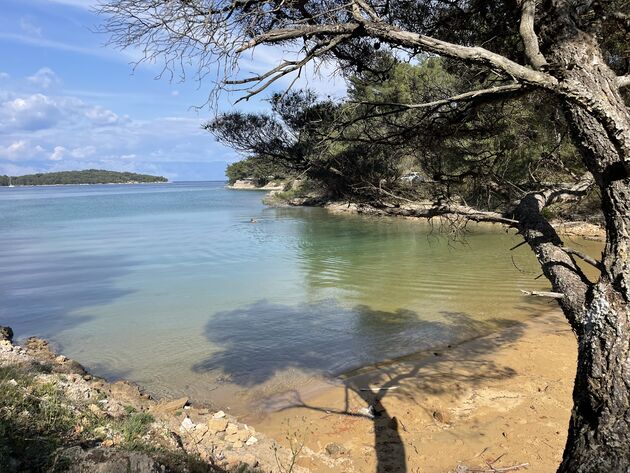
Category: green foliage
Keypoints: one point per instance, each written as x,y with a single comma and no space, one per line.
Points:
280,144
260,170
34,421
485,152
135,427
90,176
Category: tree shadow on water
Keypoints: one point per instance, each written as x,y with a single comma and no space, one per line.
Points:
40,296
258,341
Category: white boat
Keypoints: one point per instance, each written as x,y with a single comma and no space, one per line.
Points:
10,185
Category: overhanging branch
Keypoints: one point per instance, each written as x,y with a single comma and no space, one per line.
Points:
472,95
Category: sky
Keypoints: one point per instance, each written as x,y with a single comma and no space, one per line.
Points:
69,102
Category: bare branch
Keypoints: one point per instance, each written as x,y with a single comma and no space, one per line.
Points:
528,35
553,295
583,256
475,94
623,81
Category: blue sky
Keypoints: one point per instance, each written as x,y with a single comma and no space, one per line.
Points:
69,102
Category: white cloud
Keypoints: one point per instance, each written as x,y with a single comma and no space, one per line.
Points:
20,150
4,76
175,93
83,152
44,78
101,117
34,112
58,153
30,28
40,112
43,132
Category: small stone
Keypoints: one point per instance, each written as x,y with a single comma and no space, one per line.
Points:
231,428
61,359
187,425
367,411
251,441
217,425
13,382
219,415
335,450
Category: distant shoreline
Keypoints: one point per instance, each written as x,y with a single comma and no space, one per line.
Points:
83,177
90,184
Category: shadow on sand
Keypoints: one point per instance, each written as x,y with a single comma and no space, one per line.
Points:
328,339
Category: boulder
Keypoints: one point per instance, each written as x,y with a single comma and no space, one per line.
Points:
6,333
170,407
217,425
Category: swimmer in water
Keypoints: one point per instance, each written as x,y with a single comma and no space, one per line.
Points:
252,220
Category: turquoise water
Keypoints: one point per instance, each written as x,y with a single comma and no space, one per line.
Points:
171,286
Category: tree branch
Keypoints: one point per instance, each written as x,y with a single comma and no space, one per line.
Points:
474,54
623,81
472,95
395,36
528,35
557,264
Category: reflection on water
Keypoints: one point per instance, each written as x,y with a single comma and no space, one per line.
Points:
173,287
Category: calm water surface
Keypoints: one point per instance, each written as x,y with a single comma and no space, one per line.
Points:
171,286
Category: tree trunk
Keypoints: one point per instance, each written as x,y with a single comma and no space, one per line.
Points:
599,433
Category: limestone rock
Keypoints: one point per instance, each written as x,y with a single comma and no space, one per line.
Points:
170,407
217,425
219,415
187,425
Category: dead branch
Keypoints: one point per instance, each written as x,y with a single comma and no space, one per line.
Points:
490,469
583,256
553,295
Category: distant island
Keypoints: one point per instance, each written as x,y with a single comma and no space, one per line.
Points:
89,176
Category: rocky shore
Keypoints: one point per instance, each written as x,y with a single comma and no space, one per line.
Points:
579,229
55,416
250,185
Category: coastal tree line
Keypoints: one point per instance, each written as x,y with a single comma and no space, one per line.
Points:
530,110
89,176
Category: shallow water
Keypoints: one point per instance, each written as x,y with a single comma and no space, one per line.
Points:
171,286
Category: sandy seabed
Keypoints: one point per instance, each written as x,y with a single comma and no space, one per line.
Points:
501,400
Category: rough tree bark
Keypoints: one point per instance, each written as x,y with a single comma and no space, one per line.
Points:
599,433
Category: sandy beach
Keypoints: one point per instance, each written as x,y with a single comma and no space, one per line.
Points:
502,400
